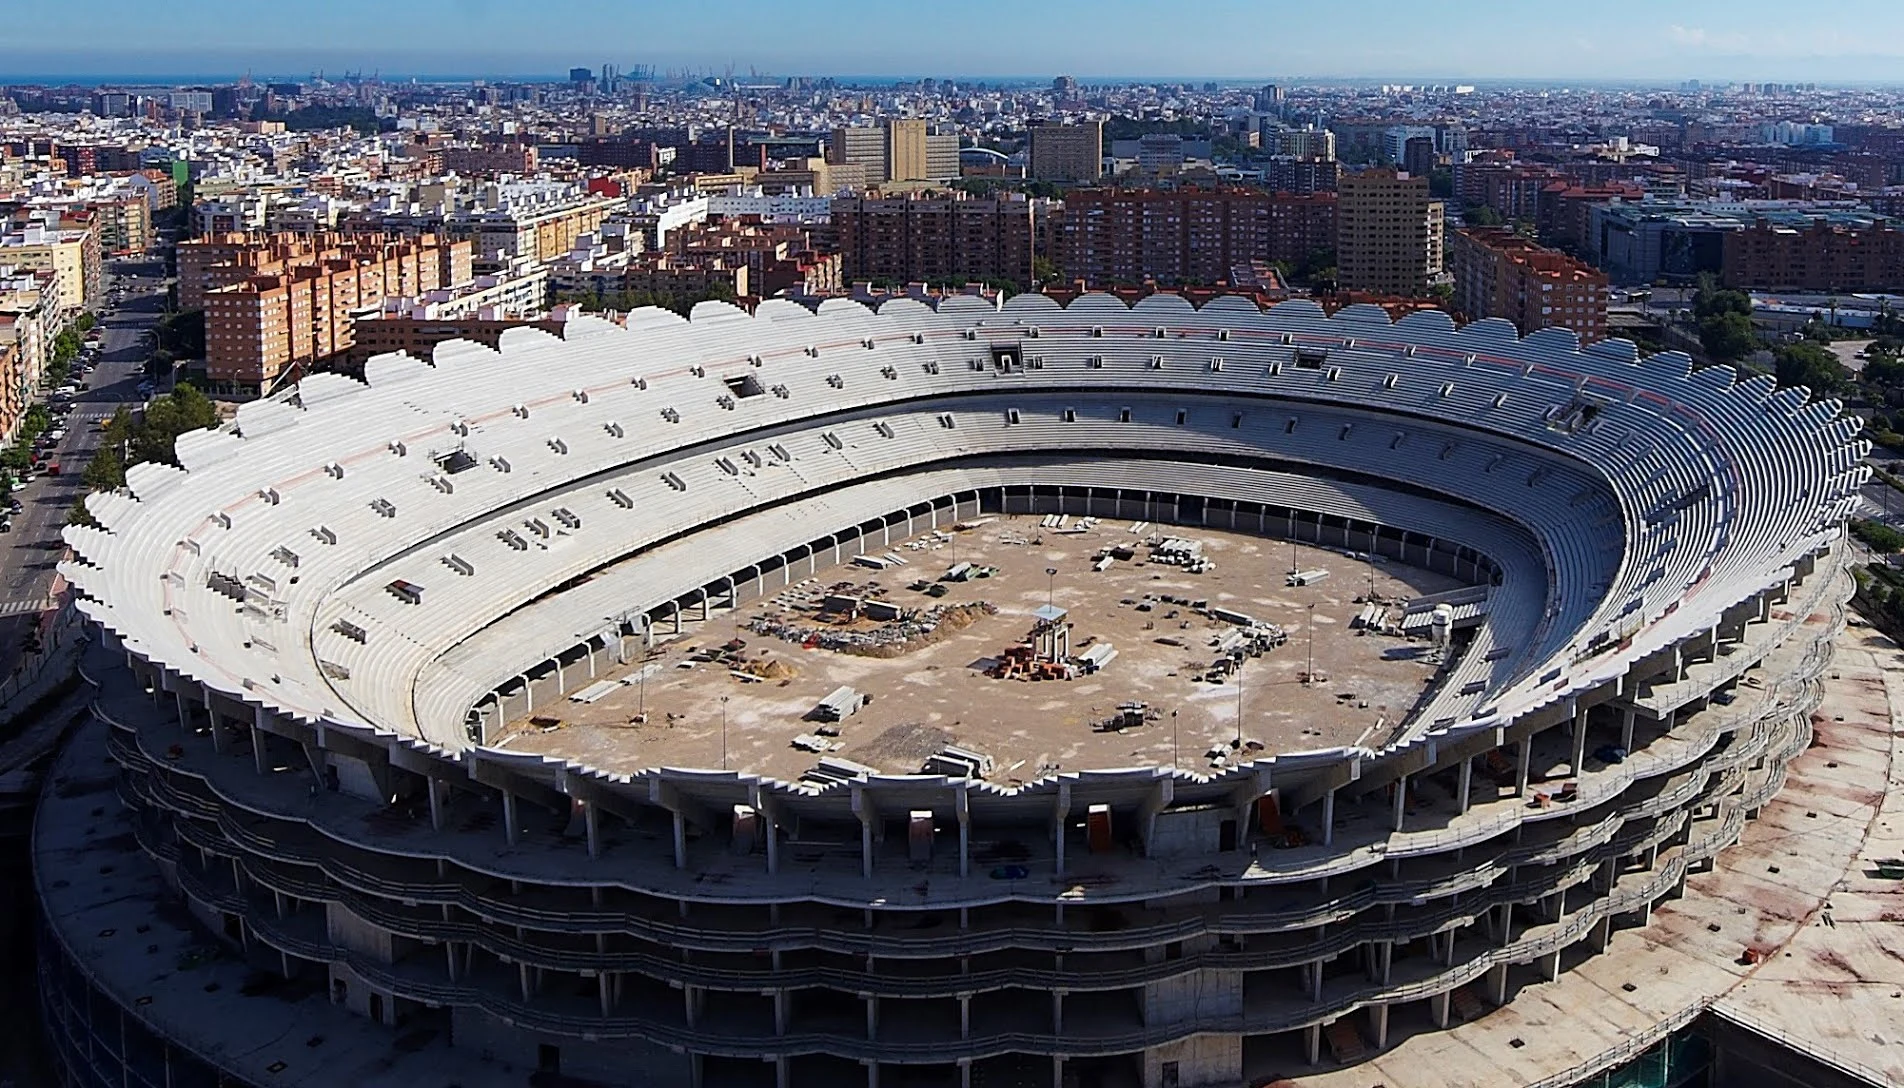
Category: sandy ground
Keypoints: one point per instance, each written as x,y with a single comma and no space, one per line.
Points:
939,694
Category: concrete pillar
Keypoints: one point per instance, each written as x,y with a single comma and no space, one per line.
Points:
1312,1043
1328,817
781,1010
965,1016
680,841
601,988
439,799
872,1017
1497,984
1378,1025
1401,804
1550,965
1060,816
770,828
783,1073
1602,934
1524,766
510,830
691,1004
1464,788
1438,1006
257,751
1579,740
1057,1012
961,808
965,1073
1626,728
1315,981
592,824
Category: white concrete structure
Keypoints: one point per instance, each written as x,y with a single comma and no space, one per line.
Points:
327,612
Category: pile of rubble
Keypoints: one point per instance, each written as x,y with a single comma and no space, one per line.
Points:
909,631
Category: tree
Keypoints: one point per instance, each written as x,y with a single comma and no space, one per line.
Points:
1727,337
1877,536
184,409
1810,366
1480,215
1043,271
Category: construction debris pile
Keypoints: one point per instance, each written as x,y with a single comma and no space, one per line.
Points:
903,629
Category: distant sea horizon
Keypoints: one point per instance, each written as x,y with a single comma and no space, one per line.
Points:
188,79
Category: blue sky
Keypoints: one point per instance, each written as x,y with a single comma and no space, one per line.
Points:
1850,40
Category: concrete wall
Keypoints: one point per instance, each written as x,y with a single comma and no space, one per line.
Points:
1205,1061
1195,831
626,1063
1188,998
348,930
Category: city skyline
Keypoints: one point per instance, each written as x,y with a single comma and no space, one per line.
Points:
1492,40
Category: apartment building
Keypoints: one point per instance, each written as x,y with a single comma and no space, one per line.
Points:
937,237
158,187
487,159
124,222
899,149
73,256
778,257
1128,236
539,230
294,311
669,276
29,309
1499,273
1316,144
1067,152
1284,174
1388,233
1817,256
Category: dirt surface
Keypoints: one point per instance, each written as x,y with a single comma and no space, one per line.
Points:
938,692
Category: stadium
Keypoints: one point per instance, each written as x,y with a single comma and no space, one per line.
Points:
596,706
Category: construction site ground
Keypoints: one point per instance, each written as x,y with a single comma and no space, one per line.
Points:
939,694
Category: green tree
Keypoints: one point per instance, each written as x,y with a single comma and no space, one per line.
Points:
1480,215
1727,337
184,409
1877,536
1808,365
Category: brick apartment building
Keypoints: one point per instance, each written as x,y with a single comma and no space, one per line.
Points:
779,257
1187,236
1498,273
1388,233
489,159
937,237
1820,257
280,305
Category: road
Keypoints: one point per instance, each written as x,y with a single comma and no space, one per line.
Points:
30,552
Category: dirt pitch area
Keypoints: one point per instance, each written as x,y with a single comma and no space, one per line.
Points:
939,693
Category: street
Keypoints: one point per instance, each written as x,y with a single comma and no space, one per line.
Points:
29,553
